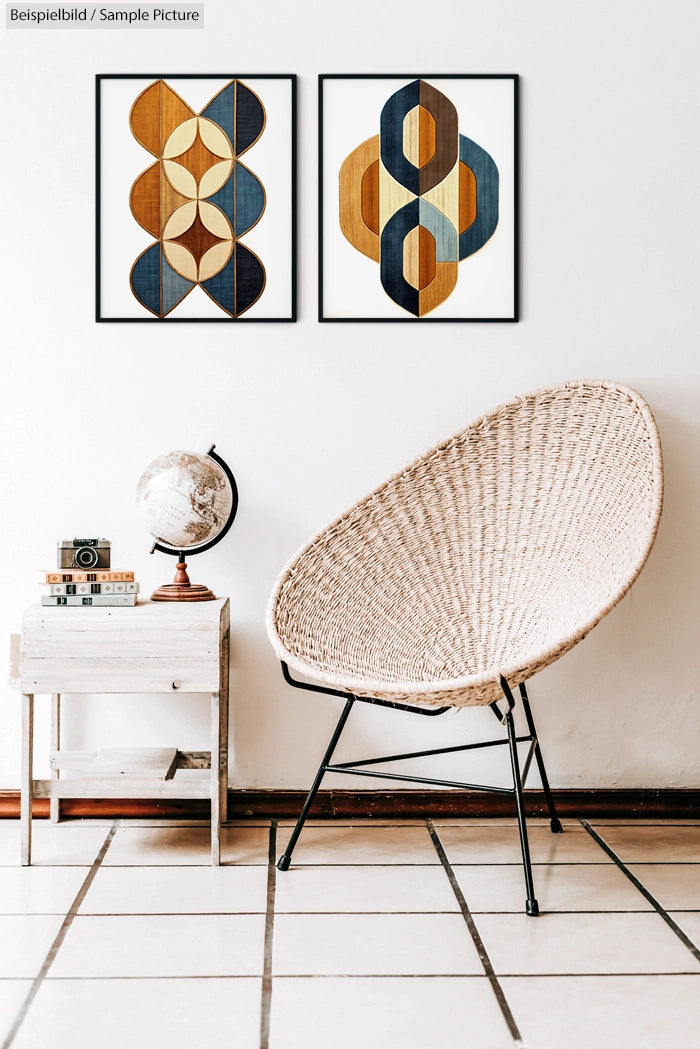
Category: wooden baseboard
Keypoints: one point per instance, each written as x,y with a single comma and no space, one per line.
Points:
393,804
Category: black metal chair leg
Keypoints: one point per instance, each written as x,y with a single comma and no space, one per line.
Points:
554,822
286,858
531,905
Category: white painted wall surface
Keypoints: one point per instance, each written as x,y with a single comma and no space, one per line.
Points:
312,416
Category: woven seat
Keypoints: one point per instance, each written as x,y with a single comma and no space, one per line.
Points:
490,556
483,561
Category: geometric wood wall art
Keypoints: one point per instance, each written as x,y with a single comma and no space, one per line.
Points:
209,191
424,210
198,198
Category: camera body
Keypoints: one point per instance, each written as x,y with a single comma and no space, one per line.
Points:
86,554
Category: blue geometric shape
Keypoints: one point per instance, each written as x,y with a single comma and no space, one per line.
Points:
222,286
250,199
250,118
221,110
444,233
391,136
250,278
239,284
391,256
145,279
486,175
173,287
225,198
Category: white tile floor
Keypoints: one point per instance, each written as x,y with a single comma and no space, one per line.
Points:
384,936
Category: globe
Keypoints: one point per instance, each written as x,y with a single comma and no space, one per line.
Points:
187,502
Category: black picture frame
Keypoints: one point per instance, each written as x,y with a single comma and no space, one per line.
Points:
115,93
350,113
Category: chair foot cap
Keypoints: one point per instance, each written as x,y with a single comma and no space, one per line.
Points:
532,908
556,826
283,863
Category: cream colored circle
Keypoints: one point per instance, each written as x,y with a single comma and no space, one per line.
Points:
215,259
214,220
180,220
181,260
214,139
181,138
180,178
214,178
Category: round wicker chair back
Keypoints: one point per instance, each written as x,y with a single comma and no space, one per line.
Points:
491,555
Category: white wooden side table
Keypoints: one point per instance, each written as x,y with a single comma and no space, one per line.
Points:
154,647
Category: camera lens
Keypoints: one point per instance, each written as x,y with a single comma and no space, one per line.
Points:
86,557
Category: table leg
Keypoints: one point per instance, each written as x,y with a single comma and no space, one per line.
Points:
223,735
26,785
55,803
215,779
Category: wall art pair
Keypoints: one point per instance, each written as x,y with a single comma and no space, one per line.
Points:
197,198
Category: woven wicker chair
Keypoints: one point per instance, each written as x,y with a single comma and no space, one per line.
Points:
474,568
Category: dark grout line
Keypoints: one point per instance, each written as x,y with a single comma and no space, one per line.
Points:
478,942
164,976
205,864
266,993
473,910
598,975
427,911
685,940
60,937
360,976
167,914
467,976
460,863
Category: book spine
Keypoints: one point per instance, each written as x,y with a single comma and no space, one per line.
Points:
101,600
75,576
69,589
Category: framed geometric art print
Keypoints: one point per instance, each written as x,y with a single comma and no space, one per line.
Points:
196,189
418,198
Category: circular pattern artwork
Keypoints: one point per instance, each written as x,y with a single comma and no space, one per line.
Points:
419,197
197,199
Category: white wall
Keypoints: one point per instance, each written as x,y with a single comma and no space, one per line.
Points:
311,416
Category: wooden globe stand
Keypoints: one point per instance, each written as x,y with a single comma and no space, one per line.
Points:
181,589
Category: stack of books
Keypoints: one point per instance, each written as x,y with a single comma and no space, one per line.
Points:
96,586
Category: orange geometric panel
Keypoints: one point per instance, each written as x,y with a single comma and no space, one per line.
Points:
467,197
155,114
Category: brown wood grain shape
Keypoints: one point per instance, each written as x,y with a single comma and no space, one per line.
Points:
419,265
145,200
438,290
197,239
419,136
446,134
352,223
427,136
370,197
198,158
155,114
173,111
170,199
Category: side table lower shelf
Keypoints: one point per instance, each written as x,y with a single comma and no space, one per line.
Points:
134,773
149,773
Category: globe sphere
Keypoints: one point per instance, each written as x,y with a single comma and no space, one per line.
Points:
184,499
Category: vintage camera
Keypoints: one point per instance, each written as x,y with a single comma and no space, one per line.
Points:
84,553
